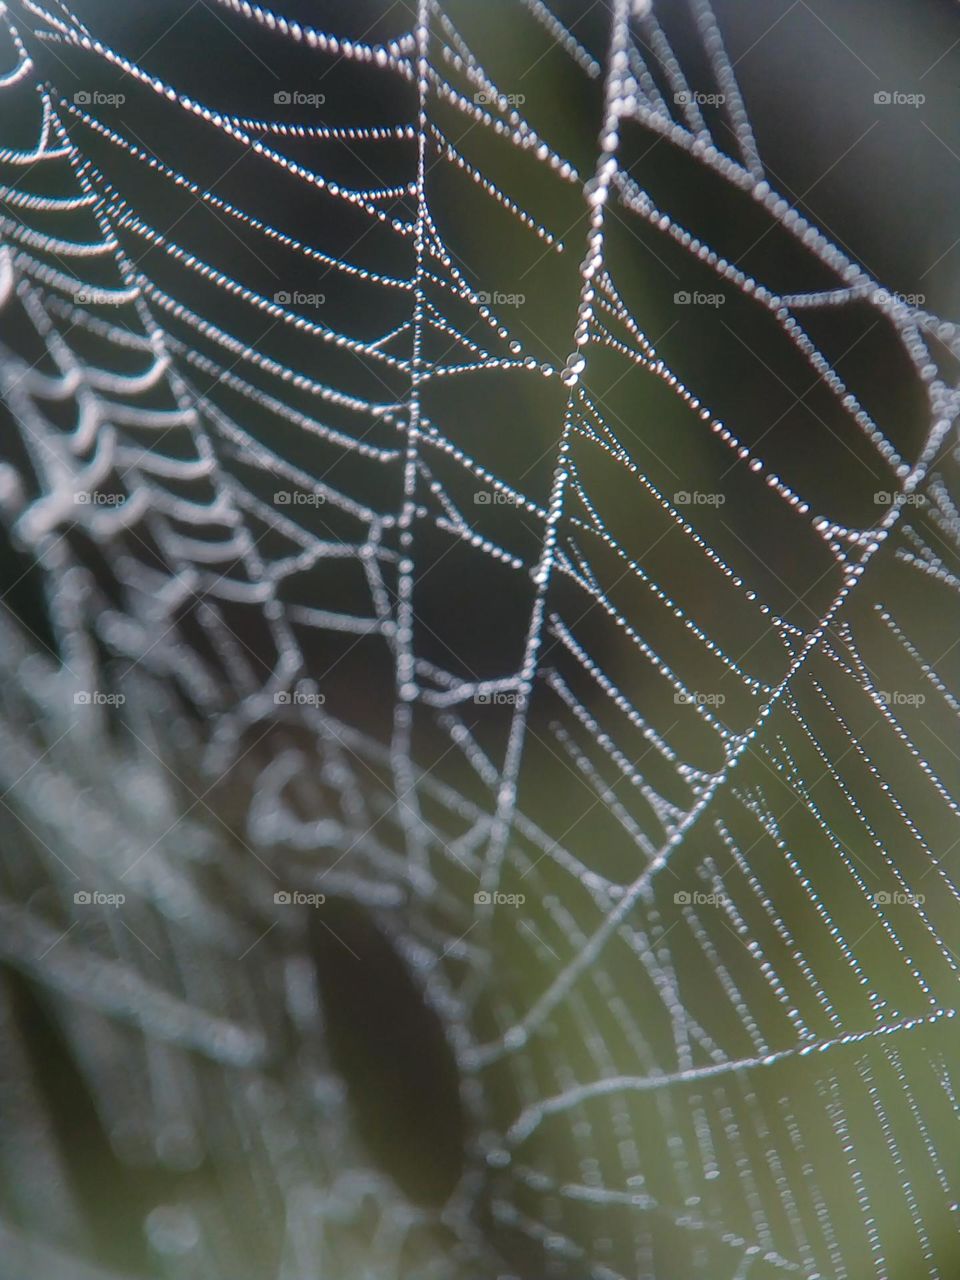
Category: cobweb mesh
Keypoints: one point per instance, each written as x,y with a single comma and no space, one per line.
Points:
440,591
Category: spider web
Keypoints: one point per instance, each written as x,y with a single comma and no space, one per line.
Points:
467,599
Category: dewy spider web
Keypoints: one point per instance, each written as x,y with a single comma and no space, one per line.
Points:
709,749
